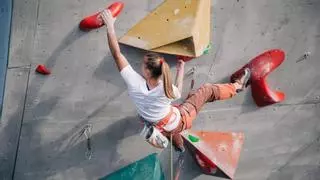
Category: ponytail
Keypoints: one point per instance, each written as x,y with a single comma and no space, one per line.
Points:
167,81
158,66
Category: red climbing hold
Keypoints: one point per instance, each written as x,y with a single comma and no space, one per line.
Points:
263,95
42,69
261,67
94,21
116,8
204,162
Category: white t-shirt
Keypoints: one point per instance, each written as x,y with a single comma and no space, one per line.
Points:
152,105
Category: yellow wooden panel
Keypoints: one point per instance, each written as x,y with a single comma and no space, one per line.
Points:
201,34
184,47
169,25
170,22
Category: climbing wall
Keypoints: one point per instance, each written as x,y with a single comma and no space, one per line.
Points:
281,141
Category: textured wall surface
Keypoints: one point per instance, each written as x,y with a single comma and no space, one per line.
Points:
281,141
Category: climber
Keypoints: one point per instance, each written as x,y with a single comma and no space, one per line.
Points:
153,91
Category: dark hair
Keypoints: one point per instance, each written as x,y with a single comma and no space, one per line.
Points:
157,66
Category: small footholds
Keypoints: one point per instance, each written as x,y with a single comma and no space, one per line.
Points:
207,49
193,138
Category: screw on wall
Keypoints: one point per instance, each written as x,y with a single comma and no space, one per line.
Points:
304,56
86,130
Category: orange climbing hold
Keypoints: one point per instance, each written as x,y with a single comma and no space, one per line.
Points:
94,21
216,150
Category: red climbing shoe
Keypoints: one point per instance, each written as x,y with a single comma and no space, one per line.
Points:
261,67
243,81
42,69
94,21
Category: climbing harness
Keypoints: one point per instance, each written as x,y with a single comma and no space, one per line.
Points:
153,136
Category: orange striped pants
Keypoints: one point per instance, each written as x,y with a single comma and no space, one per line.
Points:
193,104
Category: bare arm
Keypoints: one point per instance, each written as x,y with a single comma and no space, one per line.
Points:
120,60
180,75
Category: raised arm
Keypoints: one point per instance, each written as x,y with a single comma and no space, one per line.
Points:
109,20
180,74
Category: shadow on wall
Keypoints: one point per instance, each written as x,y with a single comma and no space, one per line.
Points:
104,144
57,156
68,151
108,71
248,104
68,40
8,153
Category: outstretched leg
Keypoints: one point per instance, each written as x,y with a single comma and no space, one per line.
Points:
206,93
209,93
212,92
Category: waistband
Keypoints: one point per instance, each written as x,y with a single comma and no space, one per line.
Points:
164,121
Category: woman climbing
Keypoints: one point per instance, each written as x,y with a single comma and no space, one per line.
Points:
153,92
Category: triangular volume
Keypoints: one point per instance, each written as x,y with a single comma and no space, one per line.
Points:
201,31
172,28
184,47
144,169
216,149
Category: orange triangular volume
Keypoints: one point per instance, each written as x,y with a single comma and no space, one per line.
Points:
179,27
218,148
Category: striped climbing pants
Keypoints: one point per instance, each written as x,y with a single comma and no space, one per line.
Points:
193,104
